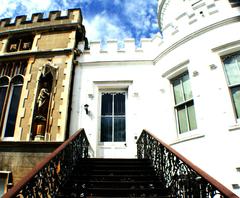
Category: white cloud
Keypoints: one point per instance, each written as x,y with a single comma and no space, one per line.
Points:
100,27
137,16
141,14
72,3
35,4
7,6
25,7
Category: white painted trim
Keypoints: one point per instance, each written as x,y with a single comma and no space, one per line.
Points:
187,138
113,85
136,62
227,48
5,172
176,70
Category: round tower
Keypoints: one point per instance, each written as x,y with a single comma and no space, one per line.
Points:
187,16
201,40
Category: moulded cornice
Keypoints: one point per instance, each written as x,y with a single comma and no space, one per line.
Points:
33,53
115,62
227,48
58,27
195,34
176,70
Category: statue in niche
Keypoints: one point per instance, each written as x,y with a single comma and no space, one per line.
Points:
43,100
42,97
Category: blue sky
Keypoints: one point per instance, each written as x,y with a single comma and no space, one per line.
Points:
103,19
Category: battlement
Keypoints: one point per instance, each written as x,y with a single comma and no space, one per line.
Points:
127,45
126,50
37,19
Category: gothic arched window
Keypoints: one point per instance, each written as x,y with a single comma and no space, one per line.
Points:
4,82
12,106
11,82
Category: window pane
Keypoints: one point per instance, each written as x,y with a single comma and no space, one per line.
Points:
107,104
186,87
232,71
113,123
2,186
106,129
177,87
12,113
182,119
119,104
119,129
191,116
3,91
236,99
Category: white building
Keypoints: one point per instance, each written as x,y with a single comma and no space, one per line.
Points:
184,87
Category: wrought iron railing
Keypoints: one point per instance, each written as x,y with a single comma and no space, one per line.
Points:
180,176
46,178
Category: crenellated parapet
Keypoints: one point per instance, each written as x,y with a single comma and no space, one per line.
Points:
57,18
114,50
47,45
191,15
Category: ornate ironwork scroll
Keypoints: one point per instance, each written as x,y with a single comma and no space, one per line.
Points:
46,179
180,178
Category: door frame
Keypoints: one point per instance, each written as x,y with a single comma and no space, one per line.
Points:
112,143
111,86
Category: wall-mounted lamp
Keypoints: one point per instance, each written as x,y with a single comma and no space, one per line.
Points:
86,108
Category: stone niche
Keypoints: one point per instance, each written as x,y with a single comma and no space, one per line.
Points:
44,101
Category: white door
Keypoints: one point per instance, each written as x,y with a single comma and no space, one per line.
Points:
112,133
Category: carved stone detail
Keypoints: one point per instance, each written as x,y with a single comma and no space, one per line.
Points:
43,100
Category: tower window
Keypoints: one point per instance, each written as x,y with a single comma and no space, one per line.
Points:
20,43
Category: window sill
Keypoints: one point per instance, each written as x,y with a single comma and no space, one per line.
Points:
8,139
234,127
187,138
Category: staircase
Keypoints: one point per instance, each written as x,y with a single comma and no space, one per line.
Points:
68,172
98,178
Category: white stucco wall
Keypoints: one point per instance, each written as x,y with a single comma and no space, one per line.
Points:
146,73
215,142
113,69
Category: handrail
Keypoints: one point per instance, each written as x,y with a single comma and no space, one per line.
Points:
46,177
181,177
